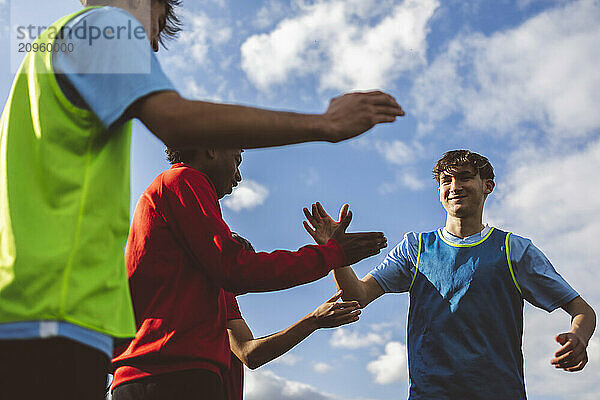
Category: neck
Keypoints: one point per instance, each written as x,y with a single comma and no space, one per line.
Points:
464,227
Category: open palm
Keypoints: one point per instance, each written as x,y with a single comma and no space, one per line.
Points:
321,226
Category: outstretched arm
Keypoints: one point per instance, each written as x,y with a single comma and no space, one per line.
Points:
322,227
190,205
256,352
572,356
179,122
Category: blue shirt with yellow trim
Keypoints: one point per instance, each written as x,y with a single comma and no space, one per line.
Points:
542,286
465,321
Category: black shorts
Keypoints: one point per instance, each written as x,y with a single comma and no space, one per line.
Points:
193,384
53,368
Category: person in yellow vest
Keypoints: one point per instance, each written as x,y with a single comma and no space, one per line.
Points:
64,182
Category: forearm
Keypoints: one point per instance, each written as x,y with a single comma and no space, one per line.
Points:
351,286
583,322
262,350
198,123
259,272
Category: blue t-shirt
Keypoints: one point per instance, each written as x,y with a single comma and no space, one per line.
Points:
542,286
465,320
106,75
109,73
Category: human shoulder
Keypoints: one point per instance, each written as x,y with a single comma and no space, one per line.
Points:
107,16
181,173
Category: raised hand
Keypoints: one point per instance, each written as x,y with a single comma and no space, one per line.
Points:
356,246
332,314
354,113
322,227
572,356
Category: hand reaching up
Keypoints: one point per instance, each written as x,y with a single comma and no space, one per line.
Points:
356,246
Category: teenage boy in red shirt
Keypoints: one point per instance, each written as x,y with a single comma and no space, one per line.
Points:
180,256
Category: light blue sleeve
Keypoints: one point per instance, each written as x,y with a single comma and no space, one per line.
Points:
541,285
396,271
110,72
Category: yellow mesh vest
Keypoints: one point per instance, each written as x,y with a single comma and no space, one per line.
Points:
64,206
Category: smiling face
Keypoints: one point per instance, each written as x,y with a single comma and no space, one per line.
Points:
463,192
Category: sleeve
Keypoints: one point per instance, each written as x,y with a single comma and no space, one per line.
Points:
193,214
112,63
540,284
233,309
397,270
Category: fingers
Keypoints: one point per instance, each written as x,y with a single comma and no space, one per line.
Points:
385,103
335,297
572,356
561,338
358,246
343,212
579,366
345,319
310,230
309,217
343,225
565,349
321,211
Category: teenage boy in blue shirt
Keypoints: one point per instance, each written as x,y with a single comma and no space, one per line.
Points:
467,282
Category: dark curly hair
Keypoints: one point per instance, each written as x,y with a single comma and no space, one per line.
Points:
173,23
458,158
175,156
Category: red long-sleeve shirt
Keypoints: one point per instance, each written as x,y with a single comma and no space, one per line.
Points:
180,256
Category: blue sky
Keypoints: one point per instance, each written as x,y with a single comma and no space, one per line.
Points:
517,81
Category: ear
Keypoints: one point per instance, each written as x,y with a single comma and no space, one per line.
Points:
211,153
135,4
489,186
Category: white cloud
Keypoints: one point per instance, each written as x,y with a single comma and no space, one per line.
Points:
354,340
407,178
200,33
337,41
322,368
543,379
391,366
269,14
543,72
247,195
265,385
289,359
398,152
552,197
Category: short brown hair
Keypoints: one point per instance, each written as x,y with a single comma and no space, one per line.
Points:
458,158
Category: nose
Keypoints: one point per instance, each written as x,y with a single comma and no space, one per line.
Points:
238,177
455,185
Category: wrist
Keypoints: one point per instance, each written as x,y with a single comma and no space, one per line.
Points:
321,127
581,337
312,322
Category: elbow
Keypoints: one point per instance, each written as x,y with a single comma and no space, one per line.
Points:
253,361
362,300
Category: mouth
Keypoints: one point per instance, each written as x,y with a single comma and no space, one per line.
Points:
456,198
